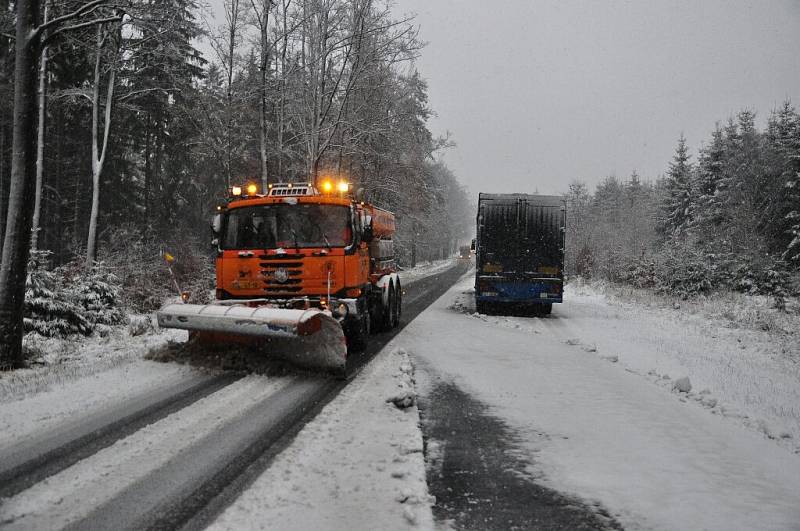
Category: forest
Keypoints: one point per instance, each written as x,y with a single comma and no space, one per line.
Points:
147,111
724,218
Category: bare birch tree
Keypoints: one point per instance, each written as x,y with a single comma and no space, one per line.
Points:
40,141
261,12
100,131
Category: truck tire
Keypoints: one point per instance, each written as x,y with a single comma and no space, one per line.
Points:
546,309
399,300
397,308
387,311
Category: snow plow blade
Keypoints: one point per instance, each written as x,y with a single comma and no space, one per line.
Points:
307,338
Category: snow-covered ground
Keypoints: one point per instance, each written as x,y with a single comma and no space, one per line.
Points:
361,452
357,465
71,494
62,361
587,391
590,390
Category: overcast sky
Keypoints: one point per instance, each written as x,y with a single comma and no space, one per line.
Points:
539,93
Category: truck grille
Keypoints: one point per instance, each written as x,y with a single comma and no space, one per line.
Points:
294,268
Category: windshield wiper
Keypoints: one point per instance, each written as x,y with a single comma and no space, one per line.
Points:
327,243
296,245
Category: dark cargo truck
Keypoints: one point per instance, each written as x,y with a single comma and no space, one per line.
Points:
519,251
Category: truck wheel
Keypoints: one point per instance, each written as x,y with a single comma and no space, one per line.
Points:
399,301
396,309
482,307
547,309
386,320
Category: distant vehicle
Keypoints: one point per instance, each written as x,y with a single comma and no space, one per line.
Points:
519,251
464,252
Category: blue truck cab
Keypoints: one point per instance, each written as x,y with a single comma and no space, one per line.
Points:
519,251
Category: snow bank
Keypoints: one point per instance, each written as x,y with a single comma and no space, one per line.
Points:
746,370
357,465
62,361
655,457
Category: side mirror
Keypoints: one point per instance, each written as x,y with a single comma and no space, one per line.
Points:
216,224
472,245
366,233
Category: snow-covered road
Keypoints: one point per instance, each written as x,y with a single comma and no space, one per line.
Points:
136,443
590,421
566,421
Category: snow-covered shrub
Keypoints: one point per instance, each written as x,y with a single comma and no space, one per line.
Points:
684,270
50,309
137,260
139,325
640,273
99,292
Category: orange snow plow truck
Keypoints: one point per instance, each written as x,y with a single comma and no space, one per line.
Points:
303,273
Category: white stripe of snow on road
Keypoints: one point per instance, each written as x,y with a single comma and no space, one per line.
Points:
74,492
61,404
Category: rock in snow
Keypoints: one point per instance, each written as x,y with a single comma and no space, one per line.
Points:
404,399
410,515
682,385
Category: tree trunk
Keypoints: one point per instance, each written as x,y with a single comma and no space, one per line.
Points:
3,189
37,204
264,67
147,172
16,244
58,232
98,151
282,102
233,21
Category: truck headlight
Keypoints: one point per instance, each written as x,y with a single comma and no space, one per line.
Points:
342,310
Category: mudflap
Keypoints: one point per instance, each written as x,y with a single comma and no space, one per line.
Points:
311,339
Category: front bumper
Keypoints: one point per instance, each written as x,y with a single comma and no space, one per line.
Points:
528,290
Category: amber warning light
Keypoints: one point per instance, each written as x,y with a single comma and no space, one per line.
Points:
329,186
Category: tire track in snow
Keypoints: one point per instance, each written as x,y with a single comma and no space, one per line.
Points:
26,463
73,493
185,465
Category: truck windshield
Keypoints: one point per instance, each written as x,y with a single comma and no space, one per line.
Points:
287,226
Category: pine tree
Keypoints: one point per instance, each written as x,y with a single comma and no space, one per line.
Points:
50,311
707,213
679,198
783,141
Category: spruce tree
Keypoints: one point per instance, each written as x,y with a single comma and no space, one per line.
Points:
679,197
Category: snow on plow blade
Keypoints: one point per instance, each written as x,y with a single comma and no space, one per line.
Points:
308,338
